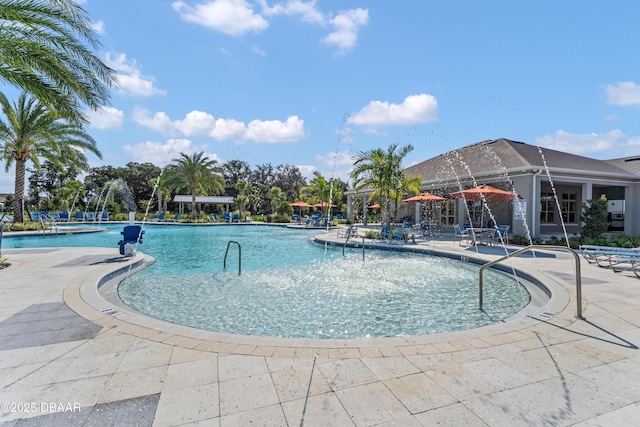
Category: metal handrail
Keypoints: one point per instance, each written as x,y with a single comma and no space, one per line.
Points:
347,239
239,255
52,223
544,247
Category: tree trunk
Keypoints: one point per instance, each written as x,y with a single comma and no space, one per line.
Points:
18,194
193,206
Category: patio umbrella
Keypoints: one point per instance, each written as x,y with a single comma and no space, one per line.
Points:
485,193
299,205
424,197
322,205
374,206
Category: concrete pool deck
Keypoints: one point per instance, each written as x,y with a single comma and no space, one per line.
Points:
69,357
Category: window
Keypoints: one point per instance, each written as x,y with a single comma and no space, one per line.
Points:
547,208
569,206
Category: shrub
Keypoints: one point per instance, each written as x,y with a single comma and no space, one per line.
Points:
594,216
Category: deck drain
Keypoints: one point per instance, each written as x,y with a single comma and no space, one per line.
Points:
547,314
111,312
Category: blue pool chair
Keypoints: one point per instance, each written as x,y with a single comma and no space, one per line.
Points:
79,216
89,216
385,233
461,235
105,216
131,235
214,217
64,216
227,217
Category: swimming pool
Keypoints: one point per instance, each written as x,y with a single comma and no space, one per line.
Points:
292,287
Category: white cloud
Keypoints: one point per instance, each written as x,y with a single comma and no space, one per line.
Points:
275,131
131,81
98,27
335,165
231,17
346,25
237,17
195,123
160,122
623,94
105,118
608,145
421,108
307,11
221,129
163,153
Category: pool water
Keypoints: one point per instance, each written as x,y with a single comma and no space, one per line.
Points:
292,287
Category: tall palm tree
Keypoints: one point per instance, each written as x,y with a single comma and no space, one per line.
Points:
195,173
382,172
45,50
242,199
320,190
30,131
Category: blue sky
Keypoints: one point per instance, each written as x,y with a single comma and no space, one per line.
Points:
311,83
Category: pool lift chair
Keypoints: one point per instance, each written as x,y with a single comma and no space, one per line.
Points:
131,235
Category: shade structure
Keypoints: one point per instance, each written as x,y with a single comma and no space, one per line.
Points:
485,193
424,197
299,204
322,205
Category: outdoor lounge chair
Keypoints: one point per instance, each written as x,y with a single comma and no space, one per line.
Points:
131,235
79,216
385,233
214,217
399,236
461,234
350,231
175,218
104,216
64,216
89,216
633,259
601,254
499,236
227,217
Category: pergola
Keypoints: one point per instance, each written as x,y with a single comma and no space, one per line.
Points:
203,200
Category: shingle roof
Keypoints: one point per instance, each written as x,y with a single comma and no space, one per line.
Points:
505,155
631,164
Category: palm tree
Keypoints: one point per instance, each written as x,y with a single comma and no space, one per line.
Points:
276,196
32,131
319,190
242,199
195,173
382,171
45,50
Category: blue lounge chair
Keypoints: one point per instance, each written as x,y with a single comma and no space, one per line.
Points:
227,217
131,235
175,218
385,233
500,235
214,217
35,216
104,216
398,237
89,216
79,216
236,217
461,234
64,216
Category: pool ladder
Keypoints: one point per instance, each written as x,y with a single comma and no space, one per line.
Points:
239,255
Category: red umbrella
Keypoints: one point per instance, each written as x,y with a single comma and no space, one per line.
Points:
424,197
485,192
299,204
